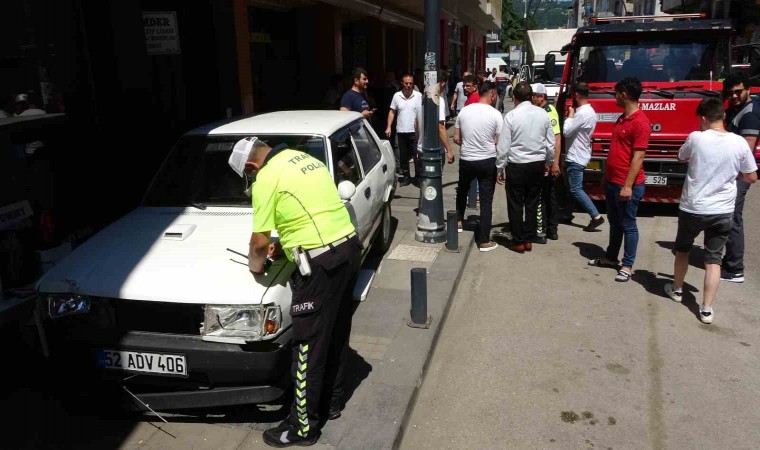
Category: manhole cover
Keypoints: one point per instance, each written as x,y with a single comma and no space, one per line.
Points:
414,253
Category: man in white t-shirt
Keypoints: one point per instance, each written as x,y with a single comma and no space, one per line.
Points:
446,154
578,127
477,132
406,104
716,159
457,101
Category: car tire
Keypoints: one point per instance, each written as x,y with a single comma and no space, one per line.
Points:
384,237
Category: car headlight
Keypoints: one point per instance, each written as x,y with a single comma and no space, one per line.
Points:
61,305
249,322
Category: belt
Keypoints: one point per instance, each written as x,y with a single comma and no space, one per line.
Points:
314,252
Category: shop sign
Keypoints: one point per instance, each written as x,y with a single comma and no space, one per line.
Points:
11,215
161,33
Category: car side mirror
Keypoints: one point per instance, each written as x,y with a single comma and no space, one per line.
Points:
346,190
549,66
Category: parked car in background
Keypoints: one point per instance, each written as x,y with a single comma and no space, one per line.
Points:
162,303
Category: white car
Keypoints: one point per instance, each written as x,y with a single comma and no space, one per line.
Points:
162,301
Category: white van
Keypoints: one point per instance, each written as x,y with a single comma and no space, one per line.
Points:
495,62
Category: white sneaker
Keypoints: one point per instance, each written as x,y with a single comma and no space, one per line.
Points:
674,295
706,315
488,246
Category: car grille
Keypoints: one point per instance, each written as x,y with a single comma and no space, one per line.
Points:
655,146
135,315
665,168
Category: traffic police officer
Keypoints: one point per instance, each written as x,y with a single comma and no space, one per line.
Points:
294,194
548,211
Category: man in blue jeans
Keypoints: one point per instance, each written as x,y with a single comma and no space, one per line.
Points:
625,178
578,128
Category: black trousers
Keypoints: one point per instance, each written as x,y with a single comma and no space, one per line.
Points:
523,194
548,214
485,172
321,312
407,148
733,261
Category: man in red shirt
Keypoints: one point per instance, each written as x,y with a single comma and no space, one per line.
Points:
470,85
625,178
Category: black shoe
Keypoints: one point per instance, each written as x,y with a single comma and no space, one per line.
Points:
566,220
732,277
538,240
286,435
552,235
416,181
335,412
404,181
594,224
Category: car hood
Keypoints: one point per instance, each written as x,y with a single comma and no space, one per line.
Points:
171,255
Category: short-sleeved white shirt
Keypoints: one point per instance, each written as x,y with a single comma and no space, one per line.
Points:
421,120
406,110
715,159
478,124
461,96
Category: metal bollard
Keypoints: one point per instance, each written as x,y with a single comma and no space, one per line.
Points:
420,318
472,195
452,234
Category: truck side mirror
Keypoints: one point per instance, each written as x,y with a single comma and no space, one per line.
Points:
549,66
754,66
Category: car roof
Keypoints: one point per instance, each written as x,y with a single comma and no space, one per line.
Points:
321,122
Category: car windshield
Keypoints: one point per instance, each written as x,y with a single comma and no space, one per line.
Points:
675,60
196,172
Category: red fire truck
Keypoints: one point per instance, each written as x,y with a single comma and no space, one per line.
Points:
679,62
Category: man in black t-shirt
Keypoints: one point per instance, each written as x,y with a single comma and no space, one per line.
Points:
355,99
742,118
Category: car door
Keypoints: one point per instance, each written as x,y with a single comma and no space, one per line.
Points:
346,166
375,172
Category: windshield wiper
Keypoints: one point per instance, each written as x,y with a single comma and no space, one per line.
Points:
196,205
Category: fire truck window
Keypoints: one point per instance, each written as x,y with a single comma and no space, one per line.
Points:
678,60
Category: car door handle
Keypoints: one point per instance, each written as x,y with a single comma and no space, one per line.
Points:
385,168
367,192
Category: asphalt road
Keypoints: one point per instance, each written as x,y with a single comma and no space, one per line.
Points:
541,351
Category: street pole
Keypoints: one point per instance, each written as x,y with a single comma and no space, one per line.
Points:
525,33
430,222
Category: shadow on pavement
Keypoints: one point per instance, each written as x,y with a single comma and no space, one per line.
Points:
589,251
655,284
696,255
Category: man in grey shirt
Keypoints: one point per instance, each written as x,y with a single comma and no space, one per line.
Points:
525,152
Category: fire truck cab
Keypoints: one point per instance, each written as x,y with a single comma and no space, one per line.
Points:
679,62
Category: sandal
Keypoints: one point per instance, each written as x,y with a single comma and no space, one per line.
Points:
597,262
623,276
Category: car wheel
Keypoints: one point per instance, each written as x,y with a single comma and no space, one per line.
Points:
383,239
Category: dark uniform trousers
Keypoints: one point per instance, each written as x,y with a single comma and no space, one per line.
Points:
548,211
321,311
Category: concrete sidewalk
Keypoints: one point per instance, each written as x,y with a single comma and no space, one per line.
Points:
387,363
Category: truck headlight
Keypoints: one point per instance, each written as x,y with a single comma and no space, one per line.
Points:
249,322
61,305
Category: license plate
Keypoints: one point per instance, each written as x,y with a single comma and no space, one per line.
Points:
594,165
142,362
656,180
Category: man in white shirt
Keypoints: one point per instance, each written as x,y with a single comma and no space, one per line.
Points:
526,150
446,153
716,159
477,132
457,101
577,130
406,103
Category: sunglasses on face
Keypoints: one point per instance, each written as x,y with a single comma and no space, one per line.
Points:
736,92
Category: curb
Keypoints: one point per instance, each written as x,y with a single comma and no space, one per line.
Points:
466,249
